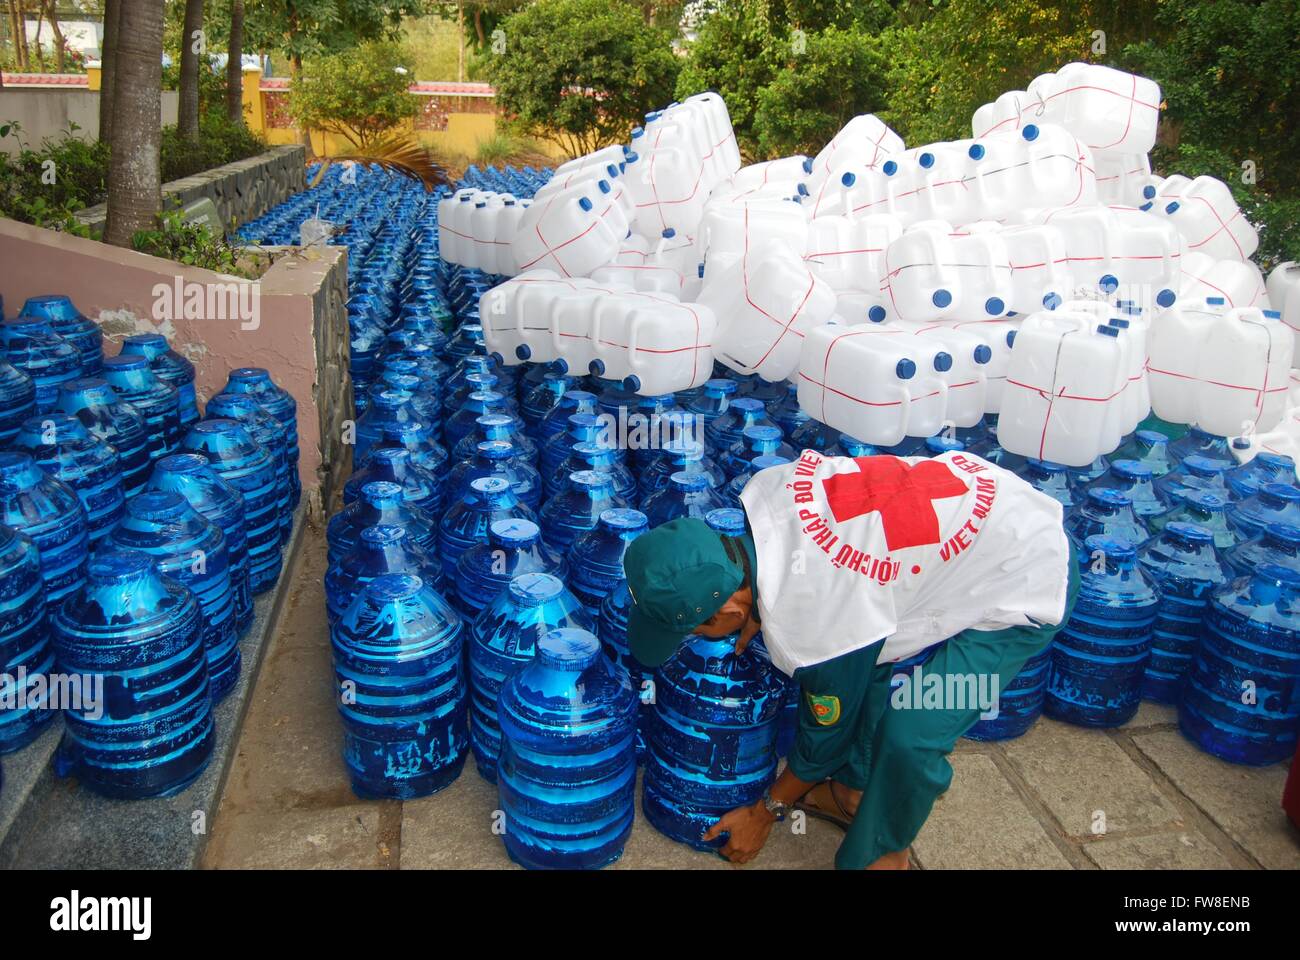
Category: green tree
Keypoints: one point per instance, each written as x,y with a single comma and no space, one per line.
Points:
311,28
359,94
838,74
580,73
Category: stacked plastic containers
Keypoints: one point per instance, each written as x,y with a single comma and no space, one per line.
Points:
25,650
65,450
712,739
102,412
505,636
169,367
1099,657
50,513
143,632
567,771
398,661
280,404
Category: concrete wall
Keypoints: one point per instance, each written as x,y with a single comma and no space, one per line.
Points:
46,112
242,191
298,329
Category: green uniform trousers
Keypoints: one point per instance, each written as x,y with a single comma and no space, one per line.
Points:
851,730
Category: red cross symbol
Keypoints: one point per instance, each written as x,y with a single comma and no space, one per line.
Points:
903,496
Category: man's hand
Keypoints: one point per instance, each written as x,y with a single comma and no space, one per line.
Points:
748,828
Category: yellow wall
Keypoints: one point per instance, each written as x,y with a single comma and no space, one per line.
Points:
464,133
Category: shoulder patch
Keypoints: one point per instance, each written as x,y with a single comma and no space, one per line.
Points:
825,710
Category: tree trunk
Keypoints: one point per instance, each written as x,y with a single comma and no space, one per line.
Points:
134,178
192,45
40,51
460,41
20,33
108,69
478,27
60,55
235,66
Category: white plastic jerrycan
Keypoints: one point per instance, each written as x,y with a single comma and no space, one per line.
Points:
1240,283
766,302
614,153
997,336
1002,115
1037,165
962,360
507,225
860,380
1206,214
483,230
1173,351
455,242
1061,382
1244,372
515,317
1107,109
670,347
567,233
782,175
932,271
669,188
864,143
1124,178
571,318
849,253
1120,253
728,229
1284,296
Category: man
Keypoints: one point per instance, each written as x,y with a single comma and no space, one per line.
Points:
847,565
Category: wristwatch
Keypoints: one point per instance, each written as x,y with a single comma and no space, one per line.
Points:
775,807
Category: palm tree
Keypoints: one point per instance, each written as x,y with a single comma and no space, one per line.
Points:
134,177
192,44
234,66
108,69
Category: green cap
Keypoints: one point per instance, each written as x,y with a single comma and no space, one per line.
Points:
679,575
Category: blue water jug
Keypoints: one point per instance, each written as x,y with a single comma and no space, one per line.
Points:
567,771
541,398
102,412
503,637
420,487
1080,477
247,466
815,435
1270,503
732,491
170,367
687,495
577,508
25,649
65,450
50,512
31,345
712,739
468,518
1149,448
191,476
17,401
1134,479
729,427
596,557
270,433
1100,656
461,423
279,403
379,550
513,547
143,633
759,441
497,426
1020,703
613,638
497,458
1184,564
768,392
847,446
66,320
712,401
579,428
399,665
1194,473
1241,699
1245,480
388,408
379,502
424,450
1205,509
133,381
679,455
190,549
1108,512
787,721
1200,443
1277,543
786,412
1049,478
589,455
556,420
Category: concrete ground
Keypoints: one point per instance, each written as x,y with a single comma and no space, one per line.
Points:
1060,797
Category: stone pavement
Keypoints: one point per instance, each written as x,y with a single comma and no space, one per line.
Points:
1060,797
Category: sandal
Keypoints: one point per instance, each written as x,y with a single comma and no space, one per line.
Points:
821,802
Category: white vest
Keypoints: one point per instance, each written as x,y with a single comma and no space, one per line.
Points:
910,551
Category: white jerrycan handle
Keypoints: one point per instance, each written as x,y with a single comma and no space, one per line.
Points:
597,348
905,404
634,363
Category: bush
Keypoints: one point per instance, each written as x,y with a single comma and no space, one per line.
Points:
580,73
46,185
220,142
359,94
192,244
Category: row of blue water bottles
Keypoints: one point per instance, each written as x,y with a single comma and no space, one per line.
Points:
79,484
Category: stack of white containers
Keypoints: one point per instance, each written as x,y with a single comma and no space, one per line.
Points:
1038,271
